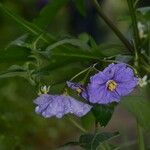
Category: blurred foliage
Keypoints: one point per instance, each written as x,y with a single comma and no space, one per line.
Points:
37,48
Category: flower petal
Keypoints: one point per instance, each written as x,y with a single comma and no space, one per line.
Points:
59,105
79,88
123,77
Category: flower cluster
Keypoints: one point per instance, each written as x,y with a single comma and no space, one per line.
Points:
105,87
109,85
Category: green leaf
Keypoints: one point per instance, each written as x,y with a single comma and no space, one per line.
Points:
144,10
84,37
21,41
139,106
30,27
13,71
15,54
144,13
49,12
80,5
75,42
87,121
111,49
92,141
103,113
123,58
53,65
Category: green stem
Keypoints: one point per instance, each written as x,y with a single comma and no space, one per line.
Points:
78,125
132,11
78,74
113,27
83,71
96,126
140,137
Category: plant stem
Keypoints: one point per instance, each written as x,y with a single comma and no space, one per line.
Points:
78,125
113,27
132,11
140,137
96,126
78,74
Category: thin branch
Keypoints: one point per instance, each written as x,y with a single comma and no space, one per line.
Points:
113,27
132,11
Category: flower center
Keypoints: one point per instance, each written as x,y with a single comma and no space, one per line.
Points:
111,85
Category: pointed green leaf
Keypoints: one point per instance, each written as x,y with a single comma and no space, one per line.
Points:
103,113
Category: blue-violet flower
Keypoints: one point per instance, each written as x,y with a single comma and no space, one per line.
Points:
79,88
59,105
111,84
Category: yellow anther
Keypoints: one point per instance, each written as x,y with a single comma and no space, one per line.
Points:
111,85
78,90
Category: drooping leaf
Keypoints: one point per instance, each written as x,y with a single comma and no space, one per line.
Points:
49,12
103,113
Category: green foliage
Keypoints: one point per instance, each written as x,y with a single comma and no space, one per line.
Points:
80,5
139,107
48,13
15,54
103,113
41,58
92,141
30,27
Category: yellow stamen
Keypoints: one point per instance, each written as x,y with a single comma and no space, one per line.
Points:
78,90
111,85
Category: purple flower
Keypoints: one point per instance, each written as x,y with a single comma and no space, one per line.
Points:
109,85
79,88
59,105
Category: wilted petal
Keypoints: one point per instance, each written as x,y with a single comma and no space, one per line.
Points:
59,105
